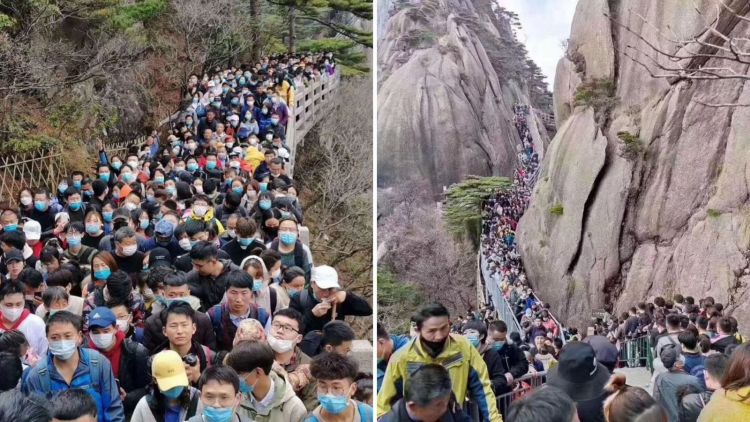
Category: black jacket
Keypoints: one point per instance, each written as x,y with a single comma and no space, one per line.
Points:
210,290
305,302
508,359
237,254
153,335
692,404
135,375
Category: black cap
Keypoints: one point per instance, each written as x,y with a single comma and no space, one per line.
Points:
159,257
13,255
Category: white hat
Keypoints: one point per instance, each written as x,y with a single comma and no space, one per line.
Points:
32,229
325,277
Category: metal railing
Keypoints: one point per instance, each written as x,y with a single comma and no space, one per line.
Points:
637,353
503,310
523,386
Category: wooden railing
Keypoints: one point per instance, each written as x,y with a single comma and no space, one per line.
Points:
37,169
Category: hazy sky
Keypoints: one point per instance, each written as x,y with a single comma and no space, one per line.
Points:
545,24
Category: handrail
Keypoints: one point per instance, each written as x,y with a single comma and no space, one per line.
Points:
503,310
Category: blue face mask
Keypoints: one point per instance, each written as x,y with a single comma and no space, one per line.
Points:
128,177
116,165
498,345
74,241
235,101
263,187
75,206
293,293
173,393
265,204
77,184
210,165
104,177
218,414
107,215
92,228
40,206
246,388
192,167
474,341
257,286
144,224
159,179
238,191
102,274
288,238
62,187
244,241
10,228
334,405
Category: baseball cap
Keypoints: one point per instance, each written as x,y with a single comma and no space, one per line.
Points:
102,317
169,371
325,277
32,229
159,257
164,228
13,255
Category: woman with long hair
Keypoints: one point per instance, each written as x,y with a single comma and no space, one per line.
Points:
732,401
630,404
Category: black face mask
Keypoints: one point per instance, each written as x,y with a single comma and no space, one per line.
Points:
433,347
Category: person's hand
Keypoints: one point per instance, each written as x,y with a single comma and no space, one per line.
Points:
122,394
100,144
321,309
509,378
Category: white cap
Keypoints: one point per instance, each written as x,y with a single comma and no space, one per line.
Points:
234,117
325,277
32,229
62,214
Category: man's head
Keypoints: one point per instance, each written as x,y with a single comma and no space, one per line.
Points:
547,404
688,340
12,300
497,333
252,360
324,282
102,327
15,406
673,322
204,256
176,287
64,334
428,393
337,338
126,243
179,323
286,330
220,391
433,324
715,365
335,374
724,326
239,291
385,344
74,405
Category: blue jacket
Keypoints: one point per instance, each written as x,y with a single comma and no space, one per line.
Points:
398,342
93,374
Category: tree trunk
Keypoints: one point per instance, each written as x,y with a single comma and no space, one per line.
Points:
292,32
255,13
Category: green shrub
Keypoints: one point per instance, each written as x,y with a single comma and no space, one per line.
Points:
713,213
598,94
632,146
556,209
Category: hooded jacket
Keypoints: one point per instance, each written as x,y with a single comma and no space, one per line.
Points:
286,406
465,365
208,289
727,406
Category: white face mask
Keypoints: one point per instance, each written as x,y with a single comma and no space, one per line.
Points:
26,200
133,164
130,206
129,250
123,325
279,345
103,341
185,244
231,233
200,210
12,314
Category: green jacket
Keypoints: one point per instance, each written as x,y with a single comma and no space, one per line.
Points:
286,407
465,365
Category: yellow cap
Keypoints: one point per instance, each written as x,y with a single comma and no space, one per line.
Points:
169,371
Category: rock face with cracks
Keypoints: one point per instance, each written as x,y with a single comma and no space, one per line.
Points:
673,215
443,111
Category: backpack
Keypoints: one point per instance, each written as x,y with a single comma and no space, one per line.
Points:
91,383
365,414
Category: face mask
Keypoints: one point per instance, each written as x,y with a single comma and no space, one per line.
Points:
116,165
274,121
107,215
40,206
77,184
257,286
133,164
279,345
129,250
10,228
218,414
74,241
144,224
128,177
334,405
103,341
288,238
265,204
104,177
263,187
246,388
130,206
159,179
26,200
123,326
171,190
238,191
269,136
62,187
63,349
211,165
192,166
92,228
244,242
231,233
102,274
216,104
293,293
75,206
173,393
12,314
235,101
200,210
474,341
498,345
185,244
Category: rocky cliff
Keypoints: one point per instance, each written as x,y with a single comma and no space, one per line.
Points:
644,191
444,112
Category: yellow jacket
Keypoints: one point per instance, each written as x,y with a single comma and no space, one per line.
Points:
254,157
208,218
726,406
465,365
286,91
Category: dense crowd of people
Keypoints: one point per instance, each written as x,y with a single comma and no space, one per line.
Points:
170,283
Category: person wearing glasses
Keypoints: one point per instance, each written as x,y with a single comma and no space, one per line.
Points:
179,327
170,397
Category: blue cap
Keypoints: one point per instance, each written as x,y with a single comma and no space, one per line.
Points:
101,317
243,133
164,228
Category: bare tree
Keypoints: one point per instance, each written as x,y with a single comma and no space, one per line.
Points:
714,53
